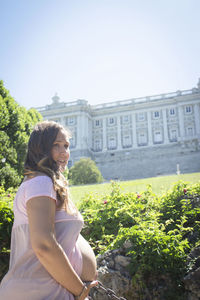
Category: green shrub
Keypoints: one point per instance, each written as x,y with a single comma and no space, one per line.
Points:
105,216
183,201
9,177
4,263
85,171
6,218
161,229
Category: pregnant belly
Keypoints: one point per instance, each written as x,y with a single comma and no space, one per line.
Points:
89,268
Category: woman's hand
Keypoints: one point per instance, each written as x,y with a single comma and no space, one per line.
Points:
86,290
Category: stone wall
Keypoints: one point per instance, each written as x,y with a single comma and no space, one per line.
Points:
149,162
113,273
192,279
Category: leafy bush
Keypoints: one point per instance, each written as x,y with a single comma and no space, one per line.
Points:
105,216
16,124
183,202
4,263
6,218
159,229
9,177
85,171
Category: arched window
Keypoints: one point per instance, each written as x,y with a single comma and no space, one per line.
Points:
141,116
190,131
112,142
97,145
157,136
142,138
73,141
126,141
173,135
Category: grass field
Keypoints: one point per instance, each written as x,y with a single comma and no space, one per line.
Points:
159,185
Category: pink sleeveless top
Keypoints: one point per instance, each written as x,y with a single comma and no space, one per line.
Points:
26,277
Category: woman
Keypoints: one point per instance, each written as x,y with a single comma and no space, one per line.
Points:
49,258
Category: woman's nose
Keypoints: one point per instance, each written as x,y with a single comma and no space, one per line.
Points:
64,150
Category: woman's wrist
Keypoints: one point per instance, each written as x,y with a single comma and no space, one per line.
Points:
81,294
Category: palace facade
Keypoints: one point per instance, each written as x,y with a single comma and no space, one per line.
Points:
134,138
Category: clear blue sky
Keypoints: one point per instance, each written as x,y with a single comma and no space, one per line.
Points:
98,50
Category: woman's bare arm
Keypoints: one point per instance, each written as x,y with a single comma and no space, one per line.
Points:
41,216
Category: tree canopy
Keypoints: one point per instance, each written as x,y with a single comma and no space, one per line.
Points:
85,171
16,124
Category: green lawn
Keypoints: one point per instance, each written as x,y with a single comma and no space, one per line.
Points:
159,185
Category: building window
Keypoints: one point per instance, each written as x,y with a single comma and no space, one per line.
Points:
70,121
97,123
156,114
127,141
97,145
55,120
173,135
73,142
190,131
141,117
157,137
172,111
112,143
125,119
142,139
111,121
188,109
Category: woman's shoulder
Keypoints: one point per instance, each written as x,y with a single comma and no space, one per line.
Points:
36,186
39,178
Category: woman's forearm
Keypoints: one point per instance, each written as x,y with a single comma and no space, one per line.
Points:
56,262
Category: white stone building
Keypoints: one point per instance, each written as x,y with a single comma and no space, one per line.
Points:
134,138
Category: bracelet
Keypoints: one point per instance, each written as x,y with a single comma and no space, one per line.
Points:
84,287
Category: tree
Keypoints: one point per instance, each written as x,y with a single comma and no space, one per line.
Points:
85,171
16,124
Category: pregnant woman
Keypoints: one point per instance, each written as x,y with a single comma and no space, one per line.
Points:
49,258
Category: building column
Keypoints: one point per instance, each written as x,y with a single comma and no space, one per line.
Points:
197,119
104,135
90,133
79,132
104,146
84,128
181,122
150,140
62,121
134,131
86,131
166,137
119,143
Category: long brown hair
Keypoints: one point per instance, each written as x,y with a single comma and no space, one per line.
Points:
39,159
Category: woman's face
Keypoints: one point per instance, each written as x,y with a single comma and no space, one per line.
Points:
60,150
